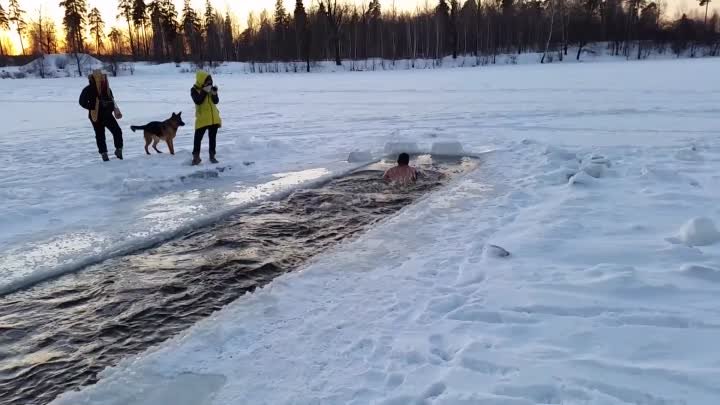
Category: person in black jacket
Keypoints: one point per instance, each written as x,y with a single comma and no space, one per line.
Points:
98,99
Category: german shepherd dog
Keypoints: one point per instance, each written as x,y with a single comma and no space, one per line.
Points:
156,131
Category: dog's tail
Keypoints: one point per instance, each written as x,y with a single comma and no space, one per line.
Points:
135,127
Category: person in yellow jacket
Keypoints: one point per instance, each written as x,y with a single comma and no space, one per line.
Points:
207,116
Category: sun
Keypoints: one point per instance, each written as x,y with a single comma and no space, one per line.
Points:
10,42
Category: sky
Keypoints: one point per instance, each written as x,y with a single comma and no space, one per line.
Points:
241,8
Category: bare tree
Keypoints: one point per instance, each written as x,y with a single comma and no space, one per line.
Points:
590,7
335,14
42,35
37,43
552,23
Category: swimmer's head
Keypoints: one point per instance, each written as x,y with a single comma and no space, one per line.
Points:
403,159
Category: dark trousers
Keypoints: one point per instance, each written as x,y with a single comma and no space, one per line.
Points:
200,133
111,124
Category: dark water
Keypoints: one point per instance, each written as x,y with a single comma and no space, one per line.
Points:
57,336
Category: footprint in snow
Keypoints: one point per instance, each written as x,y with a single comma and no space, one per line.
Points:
495,251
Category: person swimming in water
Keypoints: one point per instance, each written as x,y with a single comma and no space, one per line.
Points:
403,173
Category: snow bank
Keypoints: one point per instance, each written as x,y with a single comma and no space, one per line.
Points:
61,65
360,156
598,52
689,154
582,178
447,148
699,232
395,148
703,273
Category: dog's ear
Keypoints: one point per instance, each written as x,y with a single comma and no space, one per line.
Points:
180,114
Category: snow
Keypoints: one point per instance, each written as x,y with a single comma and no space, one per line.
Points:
447,148
62,65
394,148
360,156
699,232
593,305
593,53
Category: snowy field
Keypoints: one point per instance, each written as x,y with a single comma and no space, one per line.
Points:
608,297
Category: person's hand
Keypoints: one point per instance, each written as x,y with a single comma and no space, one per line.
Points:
214,89
118,114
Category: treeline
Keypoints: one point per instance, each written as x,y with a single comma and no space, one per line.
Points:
334,30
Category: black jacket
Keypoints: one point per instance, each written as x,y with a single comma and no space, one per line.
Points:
88,99
198,96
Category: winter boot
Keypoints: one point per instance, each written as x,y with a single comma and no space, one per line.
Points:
213,160
118,153
196,160
105,157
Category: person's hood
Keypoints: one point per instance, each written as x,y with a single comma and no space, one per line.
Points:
200,78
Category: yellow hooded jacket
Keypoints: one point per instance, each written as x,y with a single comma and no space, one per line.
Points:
206,111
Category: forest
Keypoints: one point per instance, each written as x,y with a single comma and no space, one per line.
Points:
336,30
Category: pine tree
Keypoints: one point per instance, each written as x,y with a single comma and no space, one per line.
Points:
442,24
453,29
140,19
192,29
375,19
125,11
209,13
211,33
705,3
156,24
4,26
335,14
74,22
115,37
281,22
169,26
468,16
302,33
228,43
97,28
16,18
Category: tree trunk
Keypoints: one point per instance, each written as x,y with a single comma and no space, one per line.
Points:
552,22
146,45
77,60
22,46
580,48
132,43
336,40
